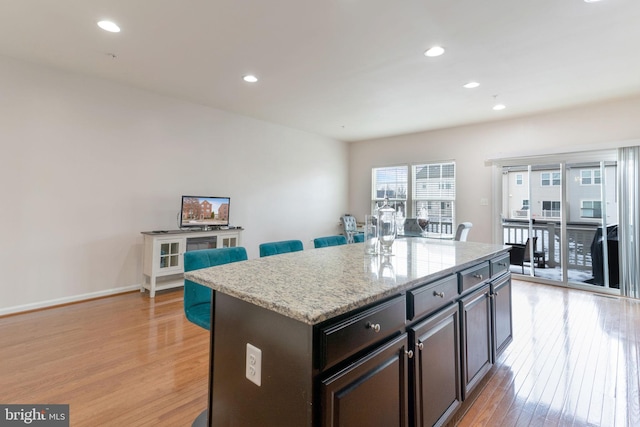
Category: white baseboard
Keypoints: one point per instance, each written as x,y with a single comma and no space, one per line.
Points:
67,300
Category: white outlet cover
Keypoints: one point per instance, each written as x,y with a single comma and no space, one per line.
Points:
253,364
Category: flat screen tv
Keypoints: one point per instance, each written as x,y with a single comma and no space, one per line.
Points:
204,211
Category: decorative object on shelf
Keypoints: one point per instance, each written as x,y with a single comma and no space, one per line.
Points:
386,227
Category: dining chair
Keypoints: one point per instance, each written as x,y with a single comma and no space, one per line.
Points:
463,231
284,246
350,228
197,298
323,242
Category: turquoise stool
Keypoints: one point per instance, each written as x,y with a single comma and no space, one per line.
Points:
283,247
197,298
323,242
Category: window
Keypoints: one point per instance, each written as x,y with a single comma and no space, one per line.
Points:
549,178
519,179
591,209
391,183
434,188
525,205
551,209
590,177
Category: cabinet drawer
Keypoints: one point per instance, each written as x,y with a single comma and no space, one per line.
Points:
473,276
499,265
431,297
347,337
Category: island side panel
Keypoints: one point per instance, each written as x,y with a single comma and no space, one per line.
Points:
285,395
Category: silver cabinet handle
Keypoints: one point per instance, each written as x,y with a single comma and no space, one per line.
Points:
420,346
502,264
438,294
374,326
478,276
409,353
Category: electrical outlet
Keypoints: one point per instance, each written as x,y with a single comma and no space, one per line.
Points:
254,365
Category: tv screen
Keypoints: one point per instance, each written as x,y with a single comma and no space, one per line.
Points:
201,211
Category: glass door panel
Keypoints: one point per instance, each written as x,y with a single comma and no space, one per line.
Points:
531,219
546,221
593,207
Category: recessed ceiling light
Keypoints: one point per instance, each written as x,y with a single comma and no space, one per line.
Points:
591,1
250,78
499,107
434,51
472,85
109,26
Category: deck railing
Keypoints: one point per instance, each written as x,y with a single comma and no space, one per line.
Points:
579,235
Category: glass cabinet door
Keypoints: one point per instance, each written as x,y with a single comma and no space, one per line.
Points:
230,242
169,254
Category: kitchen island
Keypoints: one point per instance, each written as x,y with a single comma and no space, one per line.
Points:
331,336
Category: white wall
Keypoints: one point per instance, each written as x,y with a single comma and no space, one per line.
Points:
585,128
86,165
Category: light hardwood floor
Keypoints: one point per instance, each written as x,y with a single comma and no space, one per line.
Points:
131,361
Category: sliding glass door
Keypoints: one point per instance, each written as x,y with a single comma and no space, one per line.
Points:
561,219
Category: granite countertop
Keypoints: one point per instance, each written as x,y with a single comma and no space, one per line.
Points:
317,284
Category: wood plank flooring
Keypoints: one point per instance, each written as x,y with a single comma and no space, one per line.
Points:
573,362
127,360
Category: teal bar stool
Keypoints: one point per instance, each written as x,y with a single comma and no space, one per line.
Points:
197,298
282,247
323,242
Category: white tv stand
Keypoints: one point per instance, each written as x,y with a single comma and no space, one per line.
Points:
162,261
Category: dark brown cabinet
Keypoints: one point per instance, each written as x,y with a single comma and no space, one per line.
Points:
436,367
370,392
501,312
476,334
408,359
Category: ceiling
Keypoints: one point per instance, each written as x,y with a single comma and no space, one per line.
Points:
346,69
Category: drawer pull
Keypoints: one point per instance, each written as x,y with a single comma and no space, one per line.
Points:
438,294
478,276
420,346
409,353
502,264
374,326
497,293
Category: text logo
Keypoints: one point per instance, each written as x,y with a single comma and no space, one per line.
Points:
34,415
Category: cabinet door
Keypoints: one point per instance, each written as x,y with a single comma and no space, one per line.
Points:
436,379
502,319
229,241
370,392
168,256
476,337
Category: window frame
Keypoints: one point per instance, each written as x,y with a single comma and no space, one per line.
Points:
553,179
593,209
438,205
593,177
395,202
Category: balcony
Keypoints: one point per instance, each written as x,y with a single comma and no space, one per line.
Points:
580,237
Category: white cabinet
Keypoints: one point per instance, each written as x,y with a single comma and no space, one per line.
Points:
163,254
